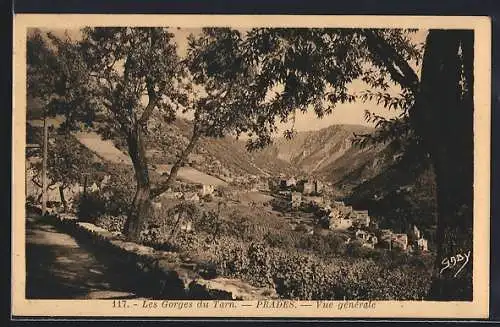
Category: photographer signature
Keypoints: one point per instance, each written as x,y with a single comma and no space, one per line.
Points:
454,260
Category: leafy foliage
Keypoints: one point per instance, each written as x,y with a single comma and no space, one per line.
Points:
127,64
302,69
295,275
58,76
90,206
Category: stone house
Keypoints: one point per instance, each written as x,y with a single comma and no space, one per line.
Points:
291,182
400,241
361,235
338,219
362,218
385,237
372,239
366,237
422,245
308,188
191,196
318,200
318,187
206,189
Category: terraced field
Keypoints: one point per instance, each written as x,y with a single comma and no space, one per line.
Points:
109,152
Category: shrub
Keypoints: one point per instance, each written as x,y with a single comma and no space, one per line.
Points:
111,223
119,191
356,250
239,226
325,246
278,240
90,206
163,231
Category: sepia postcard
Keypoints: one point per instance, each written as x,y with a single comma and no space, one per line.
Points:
251,166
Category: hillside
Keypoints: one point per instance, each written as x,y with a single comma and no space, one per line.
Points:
329,154
364,178
398,198
225,158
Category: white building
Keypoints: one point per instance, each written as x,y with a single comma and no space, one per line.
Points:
291,181
206,189
422,244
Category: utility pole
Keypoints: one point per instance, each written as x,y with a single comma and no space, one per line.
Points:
44,166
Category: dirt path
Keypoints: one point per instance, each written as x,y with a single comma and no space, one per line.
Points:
59,267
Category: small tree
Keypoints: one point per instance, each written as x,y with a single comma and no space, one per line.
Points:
68,161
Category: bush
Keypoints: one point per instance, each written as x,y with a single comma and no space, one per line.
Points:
325,246
163,231
119,191
111,223
90,206
356,250
239,226
278,240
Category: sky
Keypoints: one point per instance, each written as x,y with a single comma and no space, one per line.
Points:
350,113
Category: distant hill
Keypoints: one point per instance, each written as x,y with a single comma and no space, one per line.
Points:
329,154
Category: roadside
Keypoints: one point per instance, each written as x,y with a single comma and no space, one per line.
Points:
60,267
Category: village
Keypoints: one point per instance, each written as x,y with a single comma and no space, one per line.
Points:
313,194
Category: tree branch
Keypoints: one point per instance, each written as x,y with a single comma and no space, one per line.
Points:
392,61
175,169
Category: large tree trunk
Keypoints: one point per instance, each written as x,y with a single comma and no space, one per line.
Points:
178,164
443,117
141,206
